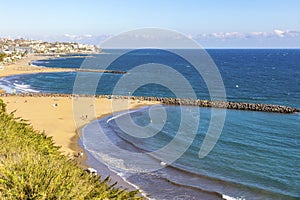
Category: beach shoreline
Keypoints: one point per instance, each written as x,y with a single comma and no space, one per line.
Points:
62,102
24,66
54,115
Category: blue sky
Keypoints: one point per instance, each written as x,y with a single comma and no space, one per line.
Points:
243,22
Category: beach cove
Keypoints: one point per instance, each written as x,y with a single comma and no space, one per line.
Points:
54,116
24,66
248,136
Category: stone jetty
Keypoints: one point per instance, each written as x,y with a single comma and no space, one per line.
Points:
221,104
101,71
179,101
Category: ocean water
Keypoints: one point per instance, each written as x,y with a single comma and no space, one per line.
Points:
260,76
257,155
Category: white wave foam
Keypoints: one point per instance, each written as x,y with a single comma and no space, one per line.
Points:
37,62
120,115
4,80
117,169
232,198
31,91
23,86
123,176
6,88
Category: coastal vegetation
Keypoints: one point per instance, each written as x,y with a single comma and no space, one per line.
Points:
2,56
32,167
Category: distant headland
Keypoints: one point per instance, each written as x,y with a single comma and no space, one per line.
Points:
12,50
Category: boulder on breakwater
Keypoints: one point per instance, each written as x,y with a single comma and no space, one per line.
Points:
180,101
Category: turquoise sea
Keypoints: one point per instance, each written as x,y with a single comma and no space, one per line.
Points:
257,155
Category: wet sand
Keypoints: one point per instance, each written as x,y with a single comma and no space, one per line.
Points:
23,67
55,116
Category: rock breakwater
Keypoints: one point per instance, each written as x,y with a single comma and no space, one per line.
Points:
179,101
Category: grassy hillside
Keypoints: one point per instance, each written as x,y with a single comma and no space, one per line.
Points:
31,167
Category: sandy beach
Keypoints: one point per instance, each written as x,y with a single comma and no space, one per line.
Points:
23,67
59,121
55,116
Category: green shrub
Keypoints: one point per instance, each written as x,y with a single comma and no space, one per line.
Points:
2,56
31,167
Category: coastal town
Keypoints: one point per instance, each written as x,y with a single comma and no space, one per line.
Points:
12,50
